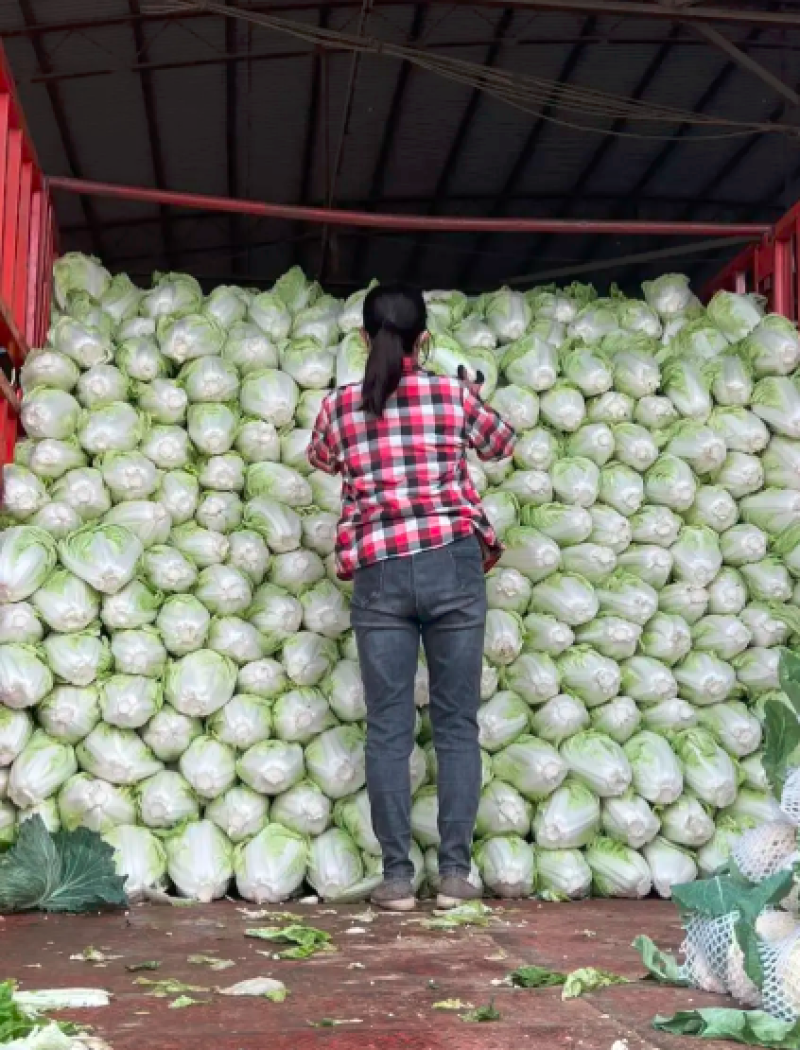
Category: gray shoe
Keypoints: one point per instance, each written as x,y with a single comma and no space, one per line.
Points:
455,890
395,895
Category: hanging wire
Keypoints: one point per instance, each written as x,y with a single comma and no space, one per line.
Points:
525,92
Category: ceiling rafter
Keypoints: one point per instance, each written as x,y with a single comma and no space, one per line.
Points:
633,8
232,137
458,143
312,131
388,138
153,131
607,143
522,159
660,158
60,118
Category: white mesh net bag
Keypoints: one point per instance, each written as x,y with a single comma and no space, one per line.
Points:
781,962
705,949
790,797
766,850
715,962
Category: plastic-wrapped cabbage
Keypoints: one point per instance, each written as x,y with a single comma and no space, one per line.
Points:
589,675
280,526
669,864
629,819
669,716
570,598
27,557
140,857
335,868
593,441
535,449
508,315
634,446
559,718
723,636
657,775
504,636
308,657
184,624
23,493
619,719
79,658
590,560
235,638
105,556
704,678
686,822
117,755
86,802
617,870
25,678
610,529
165,801
727,595
709,771
209,767
621,488
16,728
240,813
133,606
48,368
713,856
757,670
269,395
179,492
647,681
200,861
39,770
508,589
224,590
670,483
569,818
502,720
271,867
546,635
666,638
212,428
57,518
531,553
200,683
562,873
506,865
586,369
147,520
129,701
735,315
173,295
781,463
532,766
518,405
736,729
626,595
684,599
563,523
502,810
272,766
103,385
655,412
169,733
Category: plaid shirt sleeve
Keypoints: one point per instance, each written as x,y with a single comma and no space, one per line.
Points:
487,432
321,450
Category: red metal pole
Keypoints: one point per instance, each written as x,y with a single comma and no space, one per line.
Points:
376,221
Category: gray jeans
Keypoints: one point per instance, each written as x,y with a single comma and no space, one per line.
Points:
438,596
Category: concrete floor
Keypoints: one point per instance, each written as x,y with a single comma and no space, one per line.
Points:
391,996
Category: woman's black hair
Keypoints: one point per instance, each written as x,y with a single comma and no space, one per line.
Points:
394,318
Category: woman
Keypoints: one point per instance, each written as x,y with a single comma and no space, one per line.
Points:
416,541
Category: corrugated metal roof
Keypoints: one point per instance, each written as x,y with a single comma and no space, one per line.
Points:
94,80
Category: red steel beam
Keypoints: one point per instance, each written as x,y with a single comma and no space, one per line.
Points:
372,220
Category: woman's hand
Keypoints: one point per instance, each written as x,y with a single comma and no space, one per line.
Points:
475,384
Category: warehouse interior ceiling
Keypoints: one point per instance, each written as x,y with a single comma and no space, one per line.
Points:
578,109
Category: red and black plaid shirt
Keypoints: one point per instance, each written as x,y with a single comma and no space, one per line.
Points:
405,483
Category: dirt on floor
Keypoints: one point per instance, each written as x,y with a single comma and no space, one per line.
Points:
381,983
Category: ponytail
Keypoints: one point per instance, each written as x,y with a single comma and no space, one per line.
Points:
394,319
383,372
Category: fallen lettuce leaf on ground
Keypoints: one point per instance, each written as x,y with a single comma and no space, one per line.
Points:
473,913
661,966
211,961
93,955
307,940
590,979
536,977
17,1021
147,964
453,1004
259,987
482,1014
751,1027
167,987
186,1000
70,871
576,983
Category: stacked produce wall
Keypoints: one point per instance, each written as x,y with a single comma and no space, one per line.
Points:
177,669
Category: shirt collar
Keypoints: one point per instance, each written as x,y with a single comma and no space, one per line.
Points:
410,364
